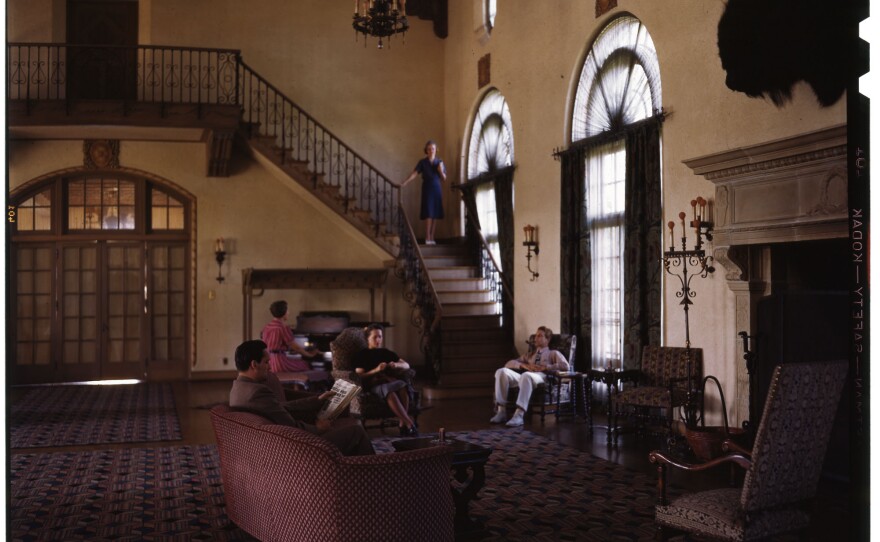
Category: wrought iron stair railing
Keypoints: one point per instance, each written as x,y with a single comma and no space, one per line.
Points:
427,311
490,271
331,162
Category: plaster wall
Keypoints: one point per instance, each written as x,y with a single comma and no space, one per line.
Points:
537,51
267,222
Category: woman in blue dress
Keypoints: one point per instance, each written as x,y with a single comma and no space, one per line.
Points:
433,172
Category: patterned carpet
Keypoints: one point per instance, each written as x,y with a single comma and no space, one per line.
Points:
536,490
78,415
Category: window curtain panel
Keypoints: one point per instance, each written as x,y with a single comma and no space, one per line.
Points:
642,242
642,250
504,209
472,221
575,264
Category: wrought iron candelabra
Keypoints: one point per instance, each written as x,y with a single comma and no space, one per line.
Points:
685,264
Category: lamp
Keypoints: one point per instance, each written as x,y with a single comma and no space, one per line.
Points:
380,18
220,256
677,263
531,247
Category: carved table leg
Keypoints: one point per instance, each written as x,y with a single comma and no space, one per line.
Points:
471,483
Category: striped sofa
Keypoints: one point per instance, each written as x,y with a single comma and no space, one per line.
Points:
285,484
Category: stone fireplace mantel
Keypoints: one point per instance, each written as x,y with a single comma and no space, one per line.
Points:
782,191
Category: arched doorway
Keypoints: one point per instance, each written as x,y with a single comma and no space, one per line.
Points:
100,278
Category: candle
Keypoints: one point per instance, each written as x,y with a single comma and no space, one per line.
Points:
702,203
220,245
694,206
442,434
355,7
671,233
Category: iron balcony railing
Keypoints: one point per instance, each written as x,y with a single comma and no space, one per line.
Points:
143,73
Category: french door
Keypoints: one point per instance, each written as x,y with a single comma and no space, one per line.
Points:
100,310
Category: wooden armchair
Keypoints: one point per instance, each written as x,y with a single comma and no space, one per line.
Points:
782,469
660,386
544,398
367,406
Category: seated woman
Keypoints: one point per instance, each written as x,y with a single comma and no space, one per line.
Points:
279,339
377,368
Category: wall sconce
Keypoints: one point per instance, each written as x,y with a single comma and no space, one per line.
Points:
220,256
531,247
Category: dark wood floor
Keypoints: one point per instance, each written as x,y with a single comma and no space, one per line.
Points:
193,399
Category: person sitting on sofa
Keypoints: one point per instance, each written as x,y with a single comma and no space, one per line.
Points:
380,368
525,373
251,392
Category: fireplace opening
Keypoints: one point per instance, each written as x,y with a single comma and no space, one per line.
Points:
806,318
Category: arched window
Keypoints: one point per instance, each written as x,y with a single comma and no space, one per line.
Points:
611,184
490,158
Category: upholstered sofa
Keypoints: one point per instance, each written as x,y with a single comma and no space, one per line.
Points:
285,484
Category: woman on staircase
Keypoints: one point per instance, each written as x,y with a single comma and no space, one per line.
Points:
433,172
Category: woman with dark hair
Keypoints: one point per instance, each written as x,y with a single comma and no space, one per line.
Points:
279,340
379,369
433,172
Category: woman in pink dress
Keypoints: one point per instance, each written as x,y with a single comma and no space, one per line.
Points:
279,340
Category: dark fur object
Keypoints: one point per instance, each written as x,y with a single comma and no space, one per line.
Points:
766,46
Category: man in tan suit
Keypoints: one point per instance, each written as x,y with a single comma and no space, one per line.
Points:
252,392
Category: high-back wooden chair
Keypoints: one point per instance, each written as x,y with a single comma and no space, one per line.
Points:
782,469
660,386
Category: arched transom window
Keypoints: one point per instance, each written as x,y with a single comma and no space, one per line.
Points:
620,81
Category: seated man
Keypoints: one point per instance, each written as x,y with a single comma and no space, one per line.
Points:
251,391
525,373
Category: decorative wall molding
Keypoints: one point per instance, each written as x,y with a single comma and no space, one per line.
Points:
101,153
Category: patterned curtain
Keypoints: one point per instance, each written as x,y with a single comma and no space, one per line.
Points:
643,242
469,198
503,180
575,255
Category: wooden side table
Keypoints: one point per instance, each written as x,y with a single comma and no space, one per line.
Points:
468,468
612,379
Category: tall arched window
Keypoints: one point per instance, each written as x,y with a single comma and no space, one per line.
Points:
490,161
611,198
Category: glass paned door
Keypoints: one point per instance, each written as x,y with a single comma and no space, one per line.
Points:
125,294
79,313
168,307
34,285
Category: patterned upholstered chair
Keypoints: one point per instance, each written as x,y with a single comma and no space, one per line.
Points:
366,406
543,399
285,484
660,387
782,469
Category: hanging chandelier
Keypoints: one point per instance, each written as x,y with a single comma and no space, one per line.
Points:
380,18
